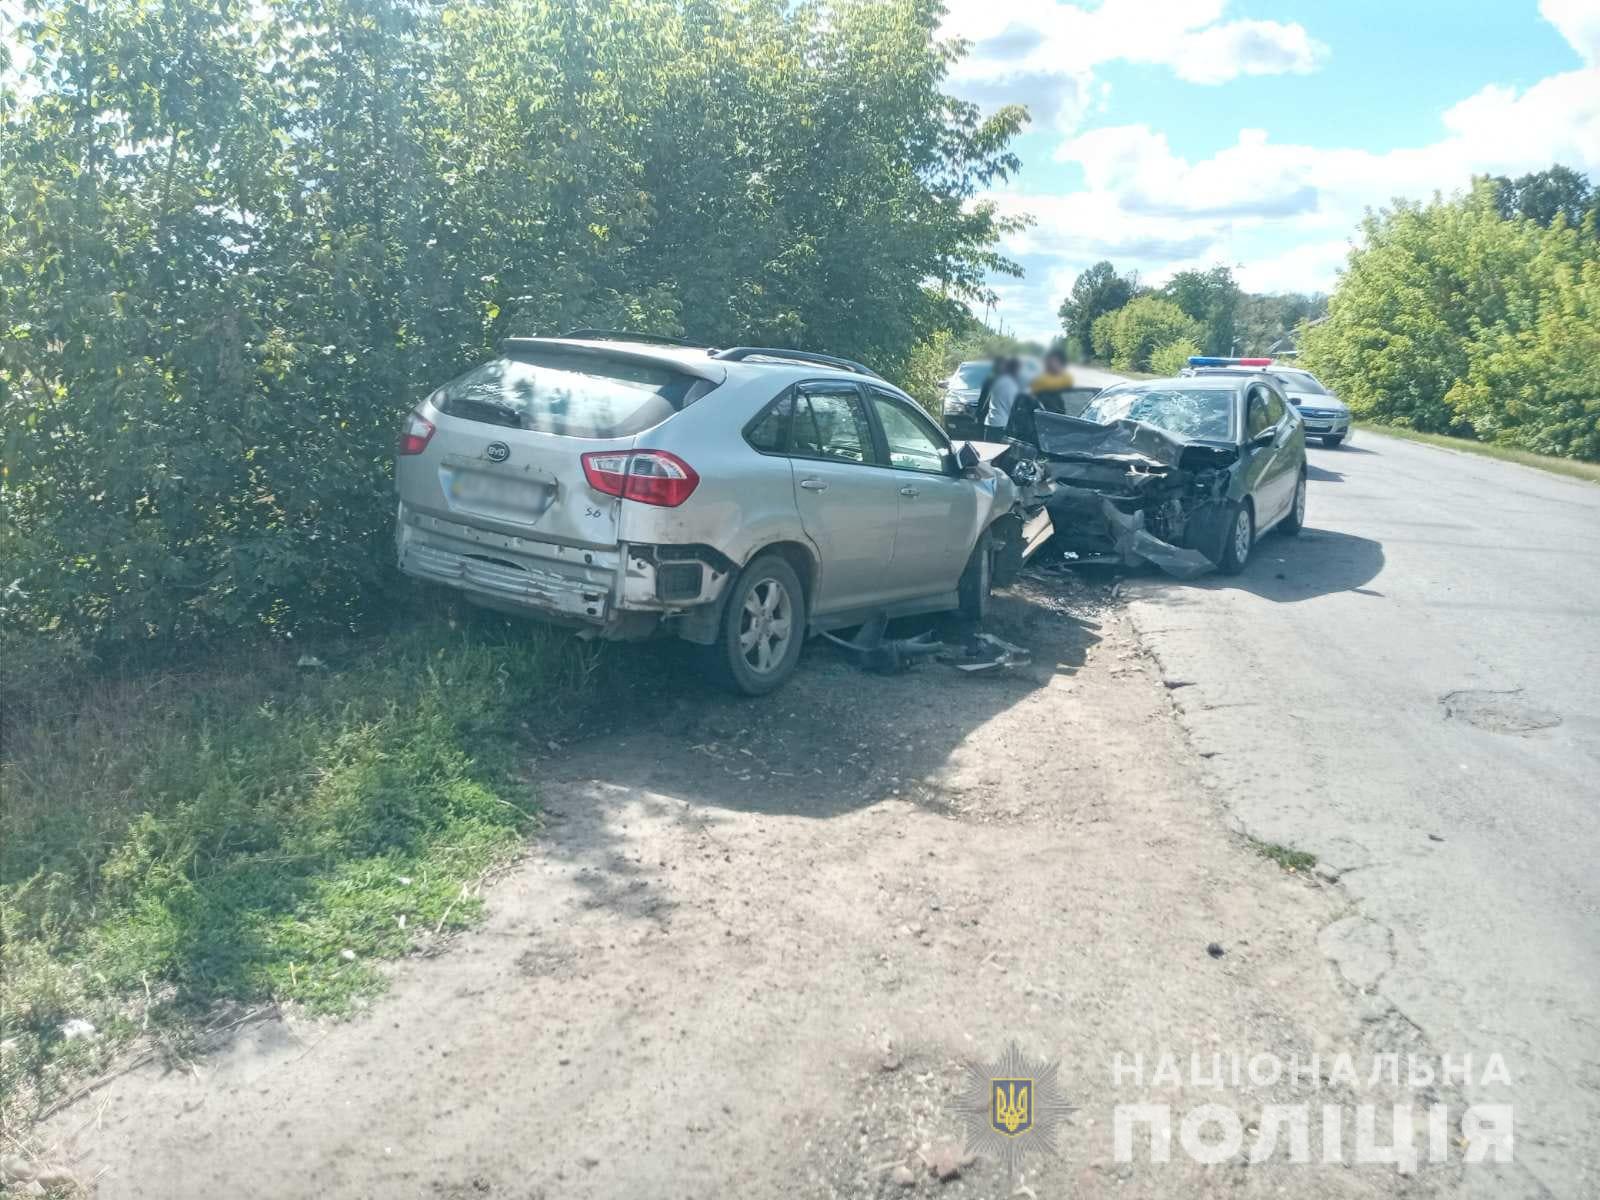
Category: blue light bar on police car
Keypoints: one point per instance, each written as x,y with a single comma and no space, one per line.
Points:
1202,360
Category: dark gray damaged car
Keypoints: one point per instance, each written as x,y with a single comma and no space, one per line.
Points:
1184,473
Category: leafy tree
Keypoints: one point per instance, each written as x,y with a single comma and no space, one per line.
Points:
1542,196
1538,388
1451,318
1211,298
1264,321
1173,357
238,241
1095,292
1136,330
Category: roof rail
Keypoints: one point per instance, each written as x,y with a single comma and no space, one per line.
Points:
740,353
623,335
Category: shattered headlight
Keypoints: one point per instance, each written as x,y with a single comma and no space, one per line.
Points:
1025,471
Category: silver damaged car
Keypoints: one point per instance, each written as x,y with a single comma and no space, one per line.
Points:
740,499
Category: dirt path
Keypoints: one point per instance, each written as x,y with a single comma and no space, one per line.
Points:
757,941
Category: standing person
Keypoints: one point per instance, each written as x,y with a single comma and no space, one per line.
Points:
1051,385
1002,396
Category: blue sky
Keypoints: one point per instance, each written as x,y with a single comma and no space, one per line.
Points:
1183,133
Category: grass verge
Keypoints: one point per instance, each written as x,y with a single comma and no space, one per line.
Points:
1560,466
177,845
1286,857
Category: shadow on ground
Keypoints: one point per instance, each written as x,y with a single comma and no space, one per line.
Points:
835,739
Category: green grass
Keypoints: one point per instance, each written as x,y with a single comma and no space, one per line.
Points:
178,846
1286,857
1560,466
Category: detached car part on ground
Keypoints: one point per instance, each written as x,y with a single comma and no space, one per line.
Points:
739,499
1183,473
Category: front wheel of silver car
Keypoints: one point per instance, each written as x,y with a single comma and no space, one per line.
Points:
763,627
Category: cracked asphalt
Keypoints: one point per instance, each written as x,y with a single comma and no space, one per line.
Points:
1408,692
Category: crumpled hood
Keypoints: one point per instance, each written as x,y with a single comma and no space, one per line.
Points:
1074,439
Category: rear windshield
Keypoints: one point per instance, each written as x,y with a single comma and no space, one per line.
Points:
1301,381
1190,413
579,395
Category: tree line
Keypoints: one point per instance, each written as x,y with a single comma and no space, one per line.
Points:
1115,319
1476,315
238,241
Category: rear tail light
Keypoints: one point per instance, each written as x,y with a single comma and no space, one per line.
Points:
415,433
648,476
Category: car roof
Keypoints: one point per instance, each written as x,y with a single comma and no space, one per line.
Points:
757,363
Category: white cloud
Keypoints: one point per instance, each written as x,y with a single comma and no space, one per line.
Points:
1579,22
1282,214
1043,52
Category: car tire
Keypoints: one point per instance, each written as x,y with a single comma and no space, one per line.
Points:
750,655
977,580
1333,443
1239,541
1295,519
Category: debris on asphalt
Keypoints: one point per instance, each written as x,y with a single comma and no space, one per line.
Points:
988,653
879,652
902,1176
1215,950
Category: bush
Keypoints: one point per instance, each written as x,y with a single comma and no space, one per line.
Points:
1453,319
1173,357
226,278
1137,329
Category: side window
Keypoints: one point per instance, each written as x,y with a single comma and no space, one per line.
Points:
1275,408
769,432
830,423
913,443
1257,418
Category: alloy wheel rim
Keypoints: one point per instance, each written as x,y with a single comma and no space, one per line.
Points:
1241,536
1300,502
766,626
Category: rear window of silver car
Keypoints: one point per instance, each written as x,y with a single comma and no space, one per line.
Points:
577,395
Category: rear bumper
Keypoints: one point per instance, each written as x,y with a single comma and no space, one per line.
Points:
618,592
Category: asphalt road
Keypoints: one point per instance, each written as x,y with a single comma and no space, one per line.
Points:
1411,691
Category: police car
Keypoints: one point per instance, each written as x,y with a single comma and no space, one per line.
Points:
1323,413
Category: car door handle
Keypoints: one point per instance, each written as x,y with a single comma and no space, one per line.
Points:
813,485
908,490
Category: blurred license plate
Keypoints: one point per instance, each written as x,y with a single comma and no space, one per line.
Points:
481,487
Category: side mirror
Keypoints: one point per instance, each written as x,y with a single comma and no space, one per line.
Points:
967,456
1265,438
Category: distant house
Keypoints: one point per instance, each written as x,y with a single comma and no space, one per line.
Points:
1288,346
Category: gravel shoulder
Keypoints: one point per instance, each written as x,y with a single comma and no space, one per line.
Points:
755,943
